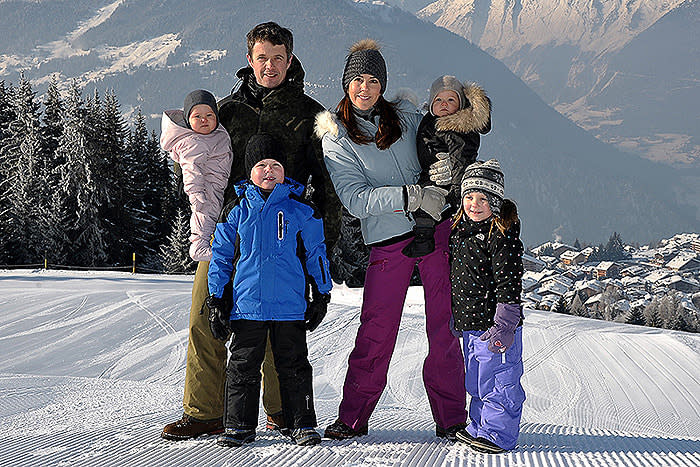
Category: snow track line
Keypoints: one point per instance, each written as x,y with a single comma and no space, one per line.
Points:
539,356
80,307
136,300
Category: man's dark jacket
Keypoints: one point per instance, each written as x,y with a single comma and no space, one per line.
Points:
288,114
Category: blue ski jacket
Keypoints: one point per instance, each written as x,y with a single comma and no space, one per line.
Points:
266,245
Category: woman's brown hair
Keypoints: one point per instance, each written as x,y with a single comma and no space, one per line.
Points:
390,125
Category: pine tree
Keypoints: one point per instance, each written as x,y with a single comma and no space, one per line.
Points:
114,211
21,158
156,195
597,254
174,253
615,249
137,169
635,316
6,165
577,307
547,251
52,121
577,245
79,194
652,318
561,306
51,131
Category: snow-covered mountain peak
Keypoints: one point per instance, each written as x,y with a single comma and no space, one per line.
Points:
505,26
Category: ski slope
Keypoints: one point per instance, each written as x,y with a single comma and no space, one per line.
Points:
92,368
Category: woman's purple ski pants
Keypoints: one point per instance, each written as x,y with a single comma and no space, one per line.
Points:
386,283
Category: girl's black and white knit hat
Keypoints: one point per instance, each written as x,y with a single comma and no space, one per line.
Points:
487,178
365,58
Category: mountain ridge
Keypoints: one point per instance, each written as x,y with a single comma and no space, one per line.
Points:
567,183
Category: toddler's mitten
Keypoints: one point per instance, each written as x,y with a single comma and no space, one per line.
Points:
440,172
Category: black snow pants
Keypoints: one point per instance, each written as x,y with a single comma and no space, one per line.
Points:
288,340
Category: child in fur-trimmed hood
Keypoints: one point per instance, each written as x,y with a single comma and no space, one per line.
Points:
447,141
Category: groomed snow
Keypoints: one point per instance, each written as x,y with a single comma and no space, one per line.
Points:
93,364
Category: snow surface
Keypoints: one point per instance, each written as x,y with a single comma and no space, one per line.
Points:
93,365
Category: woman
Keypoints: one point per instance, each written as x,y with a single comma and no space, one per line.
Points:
369,150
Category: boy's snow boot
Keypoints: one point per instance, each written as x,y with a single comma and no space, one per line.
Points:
464,436
189,427
339,430
233,437
306,436
449,433
276,422
484,445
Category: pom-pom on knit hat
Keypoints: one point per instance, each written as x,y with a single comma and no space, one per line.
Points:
263,146
365,58
487,178
199,96
447,83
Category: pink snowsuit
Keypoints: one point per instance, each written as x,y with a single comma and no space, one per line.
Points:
206,165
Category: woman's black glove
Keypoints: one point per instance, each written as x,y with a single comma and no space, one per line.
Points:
316,308
219,317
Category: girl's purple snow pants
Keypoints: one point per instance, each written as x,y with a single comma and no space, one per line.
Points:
386,283
495,389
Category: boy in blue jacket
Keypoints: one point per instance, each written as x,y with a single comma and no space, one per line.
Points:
269,241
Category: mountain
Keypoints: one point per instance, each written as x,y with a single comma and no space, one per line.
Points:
93,367
624,69
567,183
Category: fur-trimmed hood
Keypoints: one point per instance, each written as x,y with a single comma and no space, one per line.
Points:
325,122
476,117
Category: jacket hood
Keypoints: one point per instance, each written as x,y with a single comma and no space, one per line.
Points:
476,117
290,187
294,79
325,122
173,129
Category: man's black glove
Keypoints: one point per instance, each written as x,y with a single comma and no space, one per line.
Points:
219,317
316,308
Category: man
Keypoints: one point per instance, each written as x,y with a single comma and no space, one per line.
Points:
270,99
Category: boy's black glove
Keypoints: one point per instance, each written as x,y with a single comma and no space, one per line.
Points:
316,308
424,238
219,317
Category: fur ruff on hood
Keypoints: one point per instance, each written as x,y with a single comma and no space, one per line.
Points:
325,122
473,118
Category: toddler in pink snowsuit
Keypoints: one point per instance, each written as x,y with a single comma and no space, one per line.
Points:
202,147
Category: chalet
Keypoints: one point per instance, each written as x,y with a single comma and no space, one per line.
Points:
572,257
530,263
587,289
683,284
549,302
634,270
695,245
607,269
685,261
557,249
586,252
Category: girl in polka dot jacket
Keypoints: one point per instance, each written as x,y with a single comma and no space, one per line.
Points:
486,274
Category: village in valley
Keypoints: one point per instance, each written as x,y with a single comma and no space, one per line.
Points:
656,285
